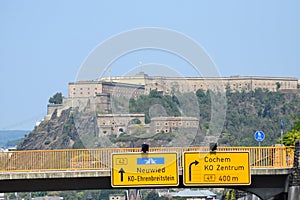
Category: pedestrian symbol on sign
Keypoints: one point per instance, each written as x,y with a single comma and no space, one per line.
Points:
259,136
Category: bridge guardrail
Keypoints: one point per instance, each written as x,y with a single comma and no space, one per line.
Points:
100,159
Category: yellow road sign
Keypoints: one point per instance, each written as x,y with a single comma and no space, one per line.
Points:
144,169
216,168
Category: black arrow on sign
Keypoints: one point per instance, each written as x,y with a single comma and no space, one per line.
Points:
190,169
121,172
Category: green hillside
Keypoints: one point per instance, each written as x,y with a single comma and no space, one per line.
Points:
246,113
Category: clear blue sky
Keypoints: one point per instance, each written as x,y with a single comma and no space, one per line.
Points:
43,43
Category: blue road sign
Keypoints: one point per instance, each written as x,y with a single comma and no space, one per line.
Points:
149,161
259,136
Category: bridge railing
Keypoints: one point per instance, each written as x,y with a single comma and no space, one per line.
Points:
100,159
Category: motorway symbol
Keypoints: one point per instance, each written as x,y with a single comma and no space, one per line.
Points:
150,161
259,136
190,168
121,172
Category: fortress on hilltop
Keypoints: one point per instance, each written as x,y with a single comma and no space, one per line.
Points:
143,84
98,96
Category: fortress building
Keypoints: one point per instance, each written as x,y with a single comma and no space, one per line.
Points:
93,88
168,124
134,86
192,84
116,123
98,96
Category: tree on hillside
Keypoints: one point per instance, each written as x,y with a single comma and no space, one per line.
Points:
277,86
289,139
56,99
291,136
296,125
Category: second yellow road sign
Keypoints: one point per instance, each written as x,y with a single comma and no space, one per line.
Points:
216,168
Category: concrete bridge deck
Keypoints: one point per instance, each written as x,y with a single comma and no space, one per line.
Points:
264,182
90,169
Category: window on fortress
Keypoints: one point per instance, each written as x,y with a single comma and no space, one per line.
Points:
74,93
157,124
74,88
157,130
166,123
80,88
166,131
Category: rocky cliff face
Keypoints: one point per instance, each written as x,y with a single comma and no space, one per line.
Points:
71,129
79,129
56,133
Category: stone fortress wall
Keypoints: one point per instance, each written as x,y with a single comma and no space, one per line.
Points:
192,84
